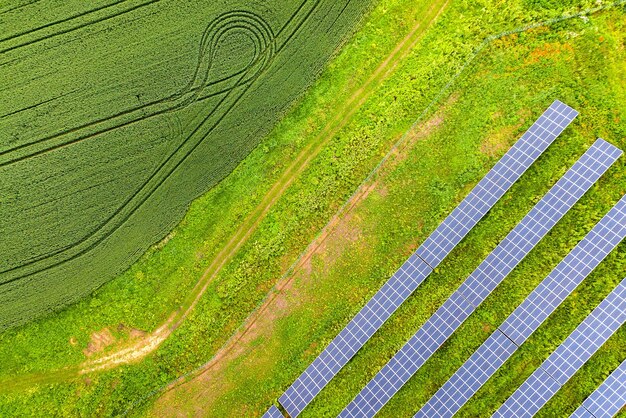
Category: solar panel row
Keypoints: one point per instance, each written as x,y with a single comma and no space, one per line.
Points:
436,247
542,301
518,243
563,363
273,412
608,399
470,377
487,192
572,270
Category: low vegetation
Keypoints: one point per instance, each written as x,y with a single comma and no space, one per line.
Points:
497,98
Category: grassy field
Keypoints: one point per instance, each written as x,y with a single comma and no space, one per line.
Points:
506,87
512,80
114,116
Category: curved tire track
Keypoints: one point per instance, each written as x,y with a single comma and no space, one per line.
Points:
108,227
26,33
165,169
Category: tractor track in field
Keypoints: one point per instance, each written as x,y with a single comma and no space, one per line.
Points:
81,25
56,22
250,224
248,326
138,351
359,97
92,240
176,101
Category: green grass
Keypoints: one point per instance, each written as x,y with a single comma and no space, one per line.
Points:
159,283
418,193
114,118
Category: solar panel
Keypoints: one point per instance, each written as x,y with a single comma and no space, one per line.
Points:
493,186
540,387
470,377
563,363
463,218
582,413
354,335
608,399
568,275
273,412
408,360
502,260
466,381
588,337
561,197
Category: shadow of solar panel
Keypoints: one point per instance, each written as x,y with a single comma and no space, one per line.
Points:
565,361
273,412
542,301
502,260
608,399
436,247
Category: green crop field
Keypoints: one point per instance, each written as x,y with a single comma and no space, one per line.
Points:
302,229
114,116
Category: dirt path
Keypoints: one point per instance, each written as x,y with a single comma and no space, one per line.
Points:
147,344
153,340
334,237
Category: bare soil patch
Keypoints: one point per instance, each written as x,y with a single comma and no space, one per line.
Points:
99,341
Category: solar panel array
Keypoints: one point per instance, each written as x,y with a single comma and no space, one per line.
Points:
502,260
273,412
470,377
436,247
563,363
543,300
573,269
608,399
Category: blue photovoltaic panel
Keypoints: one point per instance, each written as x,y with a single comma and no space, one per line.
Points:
470,377
273,412
608,399
539,387
493,186
565,361
567,275
410,358
588,336
354,335
582,413
524,321
434,249
518,243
